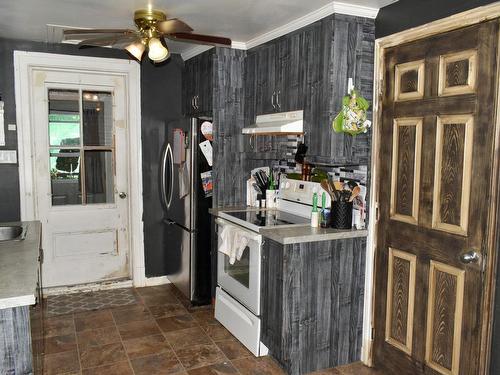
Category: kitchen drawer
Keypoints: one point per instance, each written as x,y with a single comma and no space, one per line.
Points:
239,321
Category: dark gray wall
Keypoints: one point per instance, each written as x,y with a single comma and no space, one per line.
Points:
161,95
161,101
410,13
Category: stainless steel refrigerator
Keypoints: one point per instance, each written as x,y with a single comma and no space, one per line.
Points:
187,231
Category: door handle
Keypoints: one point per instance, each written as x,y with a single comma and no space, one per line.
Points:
278,105
122,195
273,99
196,102
471,256
192,103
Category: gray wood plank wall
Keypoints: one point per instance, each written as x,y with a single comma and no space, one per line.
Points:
312,303
15,341
311,67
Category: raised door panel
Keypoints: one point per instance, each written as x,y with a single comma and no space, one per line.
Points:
444,314
457,73
400,299
452,178
406,159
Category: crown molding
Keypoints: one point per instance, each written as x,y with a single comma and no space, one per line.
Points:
196,50
298,23
355,10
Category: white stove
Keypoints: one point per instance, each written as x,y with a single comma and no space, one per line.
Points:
237,304
294,205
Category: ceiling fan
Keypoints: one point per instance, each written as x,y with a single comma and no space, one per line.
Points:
152,27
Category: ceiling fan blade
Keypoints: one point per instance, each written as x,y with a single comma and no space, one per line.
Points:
200,39
108,40
68,32
173,25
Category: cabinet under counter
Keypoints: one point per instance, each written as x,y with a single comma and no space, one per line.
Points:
312,298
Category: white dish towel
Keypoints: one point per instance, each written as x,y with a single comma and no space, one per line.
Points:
234,241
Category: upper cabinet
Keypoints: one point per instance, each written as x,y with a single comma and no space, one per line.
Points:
309,69
197,85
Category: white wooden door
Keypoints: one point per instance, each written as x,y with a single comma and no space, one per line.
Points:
80,146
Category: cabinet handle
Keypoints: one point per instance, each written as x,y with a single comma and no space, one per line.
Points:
272,99
278,99
192,102
196,101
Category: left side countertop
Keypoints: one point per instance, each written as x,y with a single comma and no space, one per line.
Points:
19,267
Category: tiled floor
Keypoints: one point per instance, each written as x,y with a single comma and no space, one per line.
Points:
79,302
158,334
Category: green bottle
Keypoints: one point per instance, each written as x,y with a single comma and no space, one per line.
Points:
315,213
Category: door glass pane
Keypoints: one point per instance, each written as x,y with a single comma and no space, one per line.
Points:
99,185
97,118
64,118
240,270
65,177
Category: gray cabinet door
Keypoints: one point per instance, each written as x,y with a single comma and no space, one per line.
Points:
197,85
265,78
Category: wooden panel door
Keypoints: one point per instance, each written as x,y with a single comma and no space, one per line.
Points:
435,160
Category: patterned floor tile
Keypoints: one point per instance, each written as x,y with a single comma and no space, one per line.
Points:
79,302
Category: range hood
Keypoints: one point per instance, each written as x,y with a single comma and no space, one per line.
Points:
277,123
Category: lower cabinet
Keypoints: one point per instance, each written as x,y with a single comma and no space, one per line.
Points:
312,303
15,345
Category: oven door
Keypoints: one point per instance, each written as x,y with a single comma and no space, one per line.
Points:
241,279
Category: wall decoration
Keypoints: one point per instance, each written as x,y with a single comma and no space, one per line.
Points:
352,119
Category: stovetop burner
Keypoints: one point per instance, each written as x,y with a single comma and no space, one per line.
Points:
268,218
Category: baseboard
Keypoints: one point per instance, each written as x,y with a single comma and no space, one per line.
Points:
92,287
159,280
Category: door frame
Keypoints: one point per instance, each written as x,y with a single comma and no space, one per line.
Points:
24,64
456,21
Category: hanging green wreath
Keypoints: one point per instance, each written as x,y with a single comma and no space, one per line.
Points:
352,119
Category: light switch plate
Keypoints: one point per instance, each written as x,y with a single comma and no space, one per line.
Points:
8,156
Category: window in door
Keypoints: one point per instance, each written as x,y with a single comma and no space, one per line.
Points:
81,147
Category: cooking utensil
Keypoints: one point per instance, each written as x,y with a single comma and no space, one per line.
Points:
355,192
335,191
326,186
338,185
257,188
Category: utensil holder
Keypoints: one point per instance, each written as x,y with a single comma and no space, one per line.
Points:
341,215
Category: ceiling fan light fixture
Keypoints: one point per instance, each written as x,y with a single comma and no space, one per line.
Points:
136,49
157,51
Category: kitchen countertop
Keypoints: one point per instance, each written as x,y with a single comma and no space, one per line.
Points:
19,267
301,234
298,233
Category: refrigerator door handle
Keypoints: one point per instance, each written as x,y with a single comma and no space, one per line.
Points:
163,176
170,160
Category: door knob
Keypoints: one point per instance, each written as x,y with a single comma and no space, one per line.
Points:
471,256
122,195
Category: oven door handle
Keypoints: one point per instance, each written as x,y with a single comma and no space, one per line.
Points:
251,235
236,310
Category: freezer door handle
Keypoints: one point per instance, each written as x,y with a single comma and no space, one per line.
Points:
167,183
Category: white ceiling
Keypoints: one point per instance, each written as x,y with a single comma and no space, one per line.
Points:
240,20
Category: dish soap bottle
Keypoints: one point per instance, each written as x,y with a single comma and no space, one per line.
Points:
315,213
325,213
